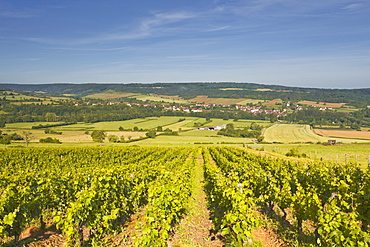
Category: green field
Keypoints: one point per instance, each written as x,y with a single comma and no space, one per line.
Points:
141,123
292,135
26,125
295,133
143,97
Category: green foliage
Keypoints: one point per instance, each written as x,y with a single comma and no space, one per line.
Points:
98,135
51,131
294,152
5,139
151,134
49,140
254,131
113,138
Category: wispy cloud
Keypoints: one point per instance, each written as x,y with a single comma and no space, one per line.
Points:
147,27
17,14
218,29
89,49
188,57
353,6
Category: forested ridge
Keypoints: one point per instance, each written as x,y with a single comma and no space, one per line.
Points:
357,97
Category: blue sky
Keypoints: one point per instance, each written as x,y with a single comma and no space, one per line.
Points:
317,43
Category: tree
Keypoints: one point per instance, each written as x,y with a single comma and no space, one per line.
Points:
159,129
113,138
27,137
5,139
98,135
50,117
120,128
151,134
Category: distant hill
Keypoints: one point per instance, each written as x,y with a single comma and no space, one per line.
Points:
356,97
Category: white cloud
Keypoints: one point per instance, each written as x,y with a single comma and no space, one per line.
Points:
352,6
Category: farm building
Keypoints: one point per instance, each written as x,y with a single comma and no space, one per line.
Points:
333,142
217,127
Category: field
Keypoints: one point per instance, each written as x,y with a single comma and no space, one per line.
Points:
19,96
109,95
153,97
294,133
340,153
273,102
141,123
322,104
223,101
350,134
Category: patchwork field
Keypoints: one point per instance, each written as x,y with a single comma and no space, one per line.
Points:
141,123
153,97
294,133
273,102
109,95
223,101
321,104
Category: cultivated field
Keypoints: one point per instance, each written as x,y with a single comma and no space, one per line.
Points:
295,133
109,95
167,99
351,134
341,153
223,101
273,102
322,104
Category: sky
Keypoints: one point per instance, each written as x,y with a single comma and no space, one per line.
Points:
316,43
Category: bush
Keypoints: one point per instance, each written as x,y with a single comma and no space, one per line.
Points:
50,140
295,153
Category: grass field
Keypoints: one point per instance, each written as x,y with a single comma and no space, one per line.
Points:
294,133
223,101
27,125
351,134
109,95
141,123
241,123
273,102
143,97
322,104
18,96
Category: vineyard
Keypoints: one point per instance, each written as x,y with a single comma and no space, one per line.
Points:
90,195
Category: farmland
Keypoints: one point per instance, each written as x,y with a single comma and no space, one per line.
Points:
144,196
109,95
322,104
349,134
222,101
293,133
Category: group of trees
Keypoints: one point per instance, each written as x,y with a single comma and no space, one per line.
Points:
254,131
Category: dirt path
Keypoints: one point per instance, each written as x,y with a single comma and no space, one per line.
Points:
195,228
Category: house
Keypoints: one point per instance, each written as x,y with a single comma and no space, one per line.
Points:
215,128
332,142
